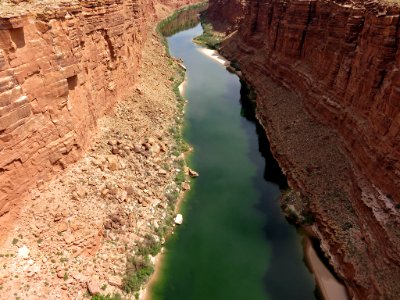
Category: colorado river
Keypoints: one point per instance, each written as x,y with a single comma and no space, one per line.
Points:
234,242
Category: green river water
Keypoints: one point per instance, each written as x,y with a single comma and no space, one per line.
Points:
234,242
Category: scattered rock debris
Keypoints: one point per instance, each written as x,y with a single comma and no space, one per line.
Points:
74,233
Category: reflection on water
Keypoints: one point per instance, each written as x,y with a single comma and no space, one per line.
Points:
186,19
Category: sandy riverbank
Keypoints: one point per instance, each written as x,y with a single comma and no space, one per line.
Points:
182,87
330,287
214,55
158,261
159,258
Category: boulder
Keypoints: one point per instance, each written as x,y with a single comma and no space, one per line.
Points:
93,287
23,252
115,281
178,219
193,173
185,186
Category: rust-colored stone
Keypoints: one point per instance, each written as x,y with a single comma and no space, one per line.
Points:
62,66
341,60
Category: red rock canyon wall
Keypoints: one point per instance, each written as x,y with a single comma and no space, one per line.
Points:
341,58
61,68
228,18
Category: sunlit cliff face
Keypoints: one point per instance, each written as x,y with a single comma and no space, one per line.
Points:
63,67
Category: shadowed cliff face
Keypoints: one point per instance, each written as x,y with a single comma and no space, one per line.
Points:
61,68
336,61
228,18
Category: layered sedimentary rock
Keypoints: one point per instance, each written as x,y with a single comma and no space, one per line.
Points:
62,66
339,61
229,17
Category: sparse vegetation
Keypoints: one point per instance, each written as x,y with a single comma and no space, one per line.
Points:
180,177
139,267
150,246
235,64
308,218
174,16
107,297
302,217
346,226
209,38
138,270
172,196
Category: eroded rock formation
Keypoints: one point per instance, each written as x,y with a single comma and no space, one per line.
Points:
62,66
228,18
339,62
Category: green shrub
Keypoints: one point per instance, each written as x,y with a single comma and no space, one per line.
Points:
180,178
107,297
172,197
138,271
172,17
149,246
208,38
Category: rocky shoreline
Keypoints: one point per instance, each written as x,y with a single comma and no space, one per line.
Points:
76,234
293,208
328,285
321,103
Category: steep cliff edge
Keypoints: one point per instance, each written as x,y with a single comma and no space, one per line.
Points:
85,230
337,61
62,66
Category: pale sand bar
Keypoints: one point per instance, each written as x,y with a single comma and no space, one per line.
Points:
145,293
214,55
182,87
330,287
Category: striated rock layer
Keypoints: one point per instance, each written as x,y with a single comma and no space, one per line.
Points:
229,17
62,66
339,62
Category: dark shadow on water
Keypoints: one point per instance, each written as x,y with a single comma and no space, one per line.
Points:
281,279
273,173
